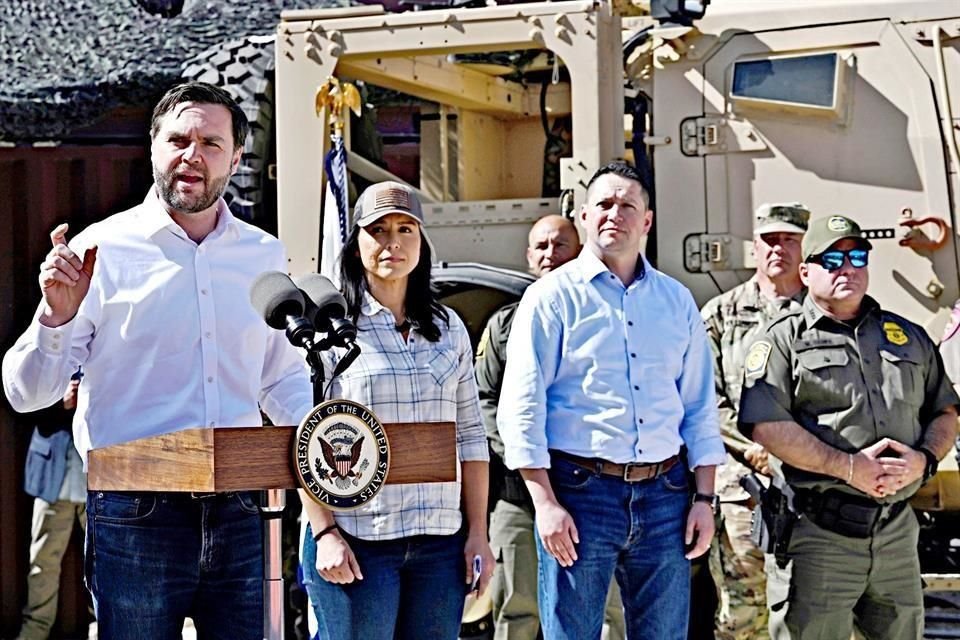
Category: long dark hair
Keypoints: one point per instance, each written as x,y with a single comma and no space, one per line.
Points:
421,305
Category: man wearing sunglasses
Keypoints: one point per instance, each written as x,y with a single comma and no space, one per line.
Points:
732,320
855,402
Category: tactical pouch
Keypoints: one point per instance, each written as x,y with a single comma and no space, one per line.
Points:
846,514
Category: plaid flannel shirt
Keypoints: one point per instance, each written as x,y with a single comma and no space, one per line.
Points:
411,381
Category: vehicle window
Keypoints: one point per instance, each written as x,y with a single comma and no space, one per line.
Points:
807,80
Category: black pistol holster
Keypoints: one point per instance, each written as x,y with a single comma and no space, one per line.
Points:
773,518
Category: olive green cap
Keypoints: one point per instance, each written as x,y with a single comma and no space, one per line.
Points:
824,232
790,217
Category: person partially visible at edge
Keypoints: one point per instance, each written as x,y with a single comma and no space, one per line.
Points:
552,242
854,401
733,320
398,567
154,303
54,475
607,401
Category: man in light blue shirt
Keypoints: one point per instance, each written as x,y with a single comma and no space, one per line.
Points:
607,401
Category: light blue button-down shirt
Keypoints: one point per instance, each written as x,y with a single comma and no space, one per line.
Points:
601,370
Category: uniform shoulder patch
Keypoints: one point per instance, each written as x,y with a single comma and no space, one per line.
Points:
755,363
895,333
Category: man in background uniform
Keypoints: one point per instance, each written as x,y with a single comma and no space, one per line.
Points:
733,320
855,402
553,241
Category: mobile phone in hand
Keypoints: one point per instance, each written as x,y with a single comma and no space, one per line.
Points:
477,569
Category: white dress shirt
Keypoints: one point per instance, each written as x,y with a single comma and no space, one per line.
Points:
166,335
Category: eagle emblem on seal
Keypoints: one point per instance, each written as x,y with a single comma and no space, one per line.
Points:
341,456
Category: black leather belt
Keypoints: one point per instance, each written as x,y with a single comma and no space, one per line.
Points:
846,514
629,472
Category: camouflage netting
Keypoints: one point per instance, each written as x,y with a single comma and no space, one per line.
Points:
64,65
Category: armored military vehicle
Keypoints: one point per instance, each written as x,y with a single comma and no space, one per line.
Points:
846,105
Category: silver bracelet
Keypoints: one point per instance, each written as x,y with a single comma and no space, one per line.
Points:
849,468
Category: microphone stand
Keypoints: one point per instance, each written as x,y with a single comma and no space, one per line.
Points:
272,514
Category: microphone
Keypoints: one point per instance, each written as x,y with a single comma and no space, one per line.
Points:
327,309
280,303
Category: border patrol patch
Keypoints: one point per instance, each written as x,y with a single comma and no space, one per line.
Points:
895,333
755,363
341,455
838,224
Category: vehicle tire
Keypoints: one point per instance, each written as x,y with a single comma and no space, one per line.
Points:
245,68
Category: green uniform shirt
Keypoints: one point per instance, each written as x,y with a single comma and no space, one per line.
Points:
849,384
491,357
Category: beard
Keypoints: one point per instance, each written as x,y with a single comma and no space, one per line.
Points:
184,203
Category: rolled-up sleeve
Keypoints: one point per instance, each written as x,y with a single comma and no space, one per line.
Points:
533,352
700,428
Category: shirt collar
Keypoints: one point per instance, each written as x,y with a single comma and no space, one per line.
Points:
591,266
156,218
814,314
370,305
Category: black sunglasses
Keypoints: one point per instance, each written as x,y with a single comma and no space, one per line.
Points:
833,259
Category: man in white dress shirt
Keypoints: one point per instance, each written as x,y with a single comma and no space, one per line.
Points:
154,303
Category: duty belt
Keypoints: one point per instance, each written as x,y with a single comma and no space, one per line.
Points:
629,472
846,514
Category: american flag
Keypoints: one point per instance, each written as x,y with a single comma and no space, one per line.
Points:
335,209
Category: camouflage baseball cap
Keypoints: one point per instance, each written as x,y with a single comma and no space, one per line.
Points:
789,217
824,232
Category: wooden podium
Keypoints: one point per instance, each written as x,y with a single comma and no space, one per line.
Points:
257,458
252,458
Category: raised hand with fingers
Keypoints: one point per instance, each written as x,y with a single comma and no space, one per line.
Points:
64,279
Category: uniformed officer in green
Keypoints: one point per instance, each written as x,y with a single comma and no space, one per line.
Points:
553,241
733,320
855,402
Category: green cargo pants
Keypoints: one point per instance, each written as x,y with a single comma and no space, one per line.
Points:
833,583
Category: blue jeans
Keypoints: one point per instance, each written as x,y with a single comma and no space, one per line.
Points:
153,559
631,530
412,589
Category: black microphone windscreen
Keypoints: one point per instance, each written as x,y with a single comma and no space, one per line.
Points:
274,296
322,293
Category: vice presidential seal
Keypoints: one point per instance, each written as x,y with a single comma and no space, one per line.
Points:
341,454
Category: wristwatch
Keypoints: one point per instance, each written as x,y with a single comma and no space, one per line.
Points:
930,469
710,498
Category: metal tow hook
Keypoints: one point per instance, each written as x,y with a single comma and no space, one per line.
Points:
915,238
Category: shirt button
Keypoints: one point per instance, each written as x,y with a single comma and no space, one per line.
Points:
636,388
633,355
203,291
208,334
56,336
213,423
640,420
629,323
209,378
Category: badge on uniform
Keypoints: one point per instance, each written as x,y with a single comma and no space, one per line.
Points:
756,361
895,333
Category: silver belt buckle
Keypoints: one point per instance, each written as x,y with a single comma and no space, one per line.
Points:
203,495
